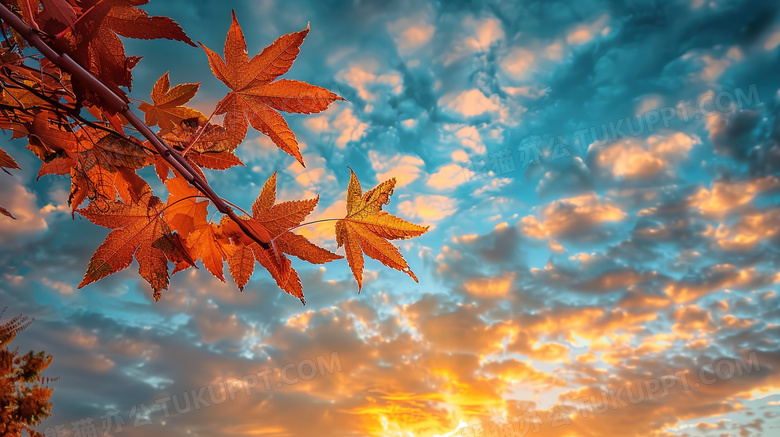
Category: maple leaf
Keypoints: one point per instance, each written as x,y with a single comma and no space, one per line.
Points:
183,212
58,10
241,262
278,219
95,178
5,212
203,244
102,164
21,97
54,159
256,96
167,110
138,230
210,149
6,161
366,229
95,44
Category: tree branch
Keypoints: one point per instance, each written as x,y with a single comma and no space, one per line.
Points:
115,103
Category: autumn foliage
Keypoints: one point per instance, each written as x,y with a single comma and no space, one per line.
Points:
65,77
24,395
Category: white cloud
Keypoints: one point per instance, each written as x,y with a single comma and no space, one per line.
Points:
20,202
411,33
585,33
483,33
477,35
447,178
429,208
404,168
344,124
518,63
470,103
469,137
368,84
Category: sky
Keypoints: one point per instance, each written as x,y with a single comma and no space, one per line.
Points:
601,179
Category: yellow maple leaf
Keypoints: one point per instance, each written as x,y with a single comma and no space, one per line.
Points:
366,229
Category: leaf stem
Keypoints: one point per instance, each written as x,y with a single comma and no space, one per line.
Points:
198,134
183,198
237,207
306,224
313,222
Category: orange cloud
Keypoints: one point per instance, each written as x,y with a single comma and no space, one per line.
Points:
573,216
727,195
490,286
749,231
642,159
404,168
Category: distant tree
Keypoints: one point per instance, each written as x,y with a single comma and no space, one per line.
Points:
24,397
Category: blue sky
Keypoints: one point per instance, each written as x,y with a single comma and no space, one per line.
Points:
641,242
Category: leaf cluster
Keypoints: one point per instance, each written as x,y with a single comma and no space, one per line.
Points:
65,76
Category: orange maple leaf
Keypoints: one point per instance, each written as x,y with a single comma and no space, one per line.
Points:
211,148
94,43
139,230
241,263
366,228
166,109
203,244
256,96
6,161
278,219
184,213
101,164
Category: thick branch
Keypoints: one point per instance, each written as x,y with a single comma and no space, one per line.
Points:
116,103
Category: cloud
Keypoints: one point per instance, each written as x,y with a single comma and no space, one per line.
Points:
585,33
324,232
447,178
748,231
489,286
717,277
726,196
22,204
474,35
518,63
485,32
633,159
707,65
429,208
342,125
405,168
572,217
772,41
370,85
731,134
469,103
468,136
411,33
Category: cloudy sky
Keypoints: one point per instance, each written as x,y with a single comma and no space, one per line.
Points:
602,184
